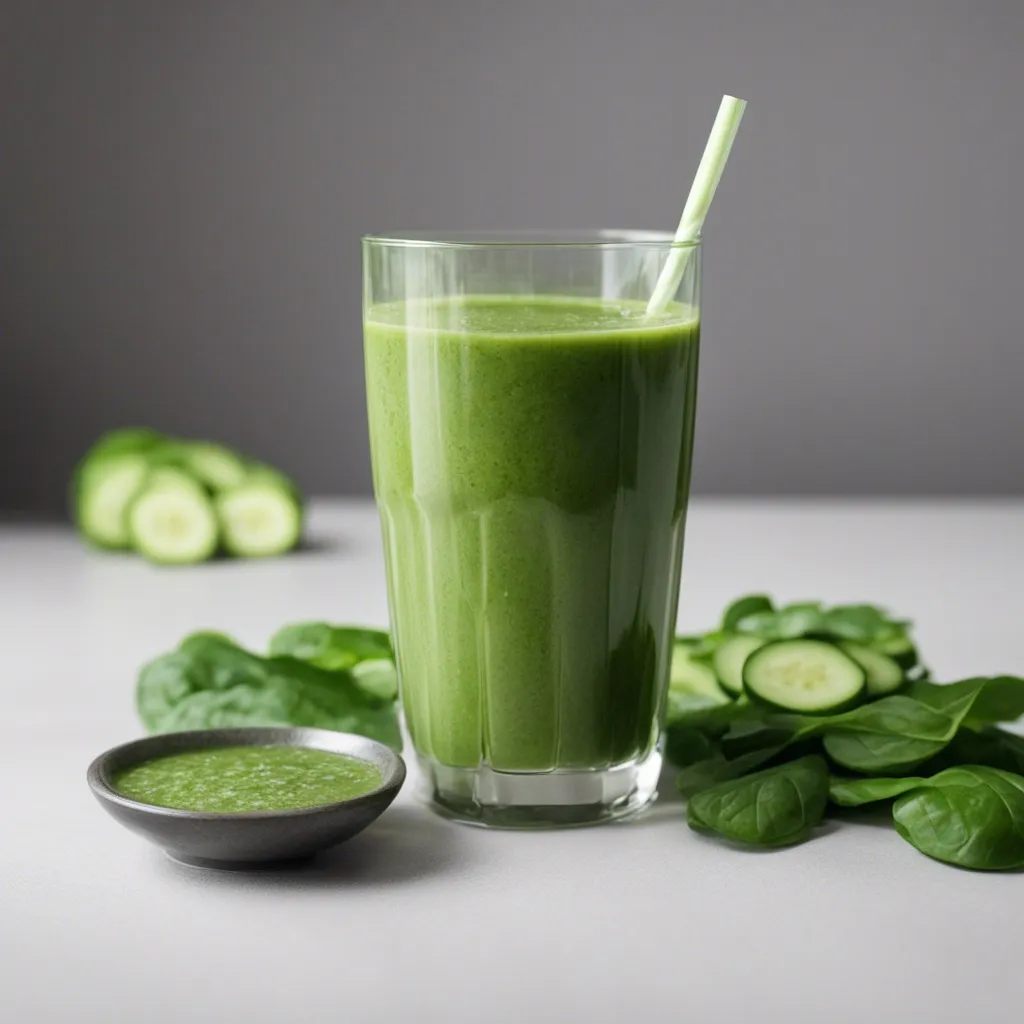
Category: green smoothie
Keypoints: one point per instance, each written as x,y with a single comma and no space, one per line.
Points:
531,464
234,780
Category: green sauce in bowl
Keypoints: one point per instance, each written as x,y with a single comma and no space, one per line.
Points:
239,780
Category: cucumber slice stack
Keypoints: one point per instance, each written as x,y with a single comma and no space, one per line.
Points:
179,502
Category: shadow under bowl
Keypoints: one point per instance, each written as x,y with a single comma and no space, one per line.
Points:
260,837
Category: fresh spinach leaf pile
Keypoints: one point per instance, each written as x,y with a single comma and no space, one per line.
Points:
759,769
328,677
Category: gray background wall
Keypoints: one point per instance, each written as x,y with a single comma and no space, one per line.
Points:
183,185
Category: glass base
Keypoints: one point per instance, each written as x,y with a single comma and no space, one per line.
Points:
561,798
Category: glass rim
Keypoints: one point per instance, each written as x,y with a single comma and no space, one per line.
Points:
526,239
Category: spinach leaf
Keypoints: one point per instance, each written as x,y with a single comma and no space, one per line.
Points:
864,623
744,736
799,619
854,792
698,776
709,714
879,753
703,647
210,681
899,714
978,702
1001,700
776,807
791,621
990,746
696,724
889,735
759,624
686,745
198,641
971,816
752,604
955,699
745,744
331,647
897,733
203,661
366,652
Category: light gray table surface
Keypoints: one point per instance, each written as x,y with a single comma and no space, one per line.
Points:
422,920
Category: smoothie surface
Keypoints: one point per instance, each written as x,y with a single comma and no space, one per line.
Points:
233,780
522,316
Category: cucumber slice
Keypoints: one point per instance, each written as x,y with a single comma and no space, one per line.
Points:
106,489
807,676
900,649
171,476
215,465
693,676
261,472
260,518
729,659
172,521
884,675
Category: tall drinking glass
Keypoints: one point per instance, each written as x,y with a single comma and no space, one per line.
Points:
531,431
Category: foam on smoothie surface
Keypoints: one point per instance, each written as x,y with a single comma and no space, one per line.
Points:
523,316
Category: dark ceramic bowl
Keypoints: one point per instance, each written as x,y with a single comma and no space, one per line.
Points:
260,837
